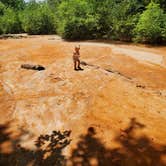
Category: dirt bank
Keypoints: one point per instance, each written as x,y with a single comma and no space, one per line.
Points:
121,93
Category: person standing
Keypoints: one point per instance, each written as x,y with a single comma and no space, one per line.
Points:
76,58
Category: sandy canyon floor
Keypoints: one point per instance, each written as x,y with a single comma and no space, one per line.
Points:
115,108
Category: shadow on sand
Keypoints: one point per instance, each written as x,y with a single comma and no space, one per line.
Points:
90,151
134,151
48,149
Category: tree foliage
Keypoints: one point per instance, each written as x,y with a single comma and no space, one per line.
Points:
38,19
125,20
2,8
76,20
151,25
10,22
15,4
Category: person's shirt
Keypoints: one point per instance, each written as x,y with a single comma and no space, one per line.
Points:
77,51
76,54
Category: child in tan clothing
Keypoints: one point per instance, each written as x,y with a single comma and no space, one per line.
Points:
76,56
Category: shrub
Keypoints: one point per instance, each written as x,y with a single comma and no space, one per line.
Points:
77,28
150,28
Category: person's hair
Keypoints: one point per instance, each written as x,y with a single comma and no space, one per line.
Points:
76,46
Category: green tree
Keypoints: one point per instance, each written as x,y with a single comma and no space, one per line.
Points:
76,20
15,4
38,19
124,16
53,4
164,29
150,28
162,4
102,9
10,22
2,8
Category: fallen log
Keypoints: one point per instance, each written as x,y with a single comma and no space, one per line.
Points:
32,67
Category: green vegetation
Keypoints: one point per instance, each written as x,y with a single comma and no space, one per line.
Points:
76,20
126,20
38,19
151,25
10,22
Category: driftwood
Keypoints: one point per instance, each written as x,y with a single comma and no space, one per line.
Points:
32,67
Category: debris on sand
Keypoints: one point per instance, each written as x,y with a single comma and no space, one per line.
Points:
140,86
32,67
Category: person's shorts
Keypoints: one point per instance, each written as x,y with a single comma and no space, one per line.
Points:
75,58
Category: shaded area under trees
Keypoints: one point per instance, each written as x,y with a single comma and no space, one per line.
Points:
90,151
48,149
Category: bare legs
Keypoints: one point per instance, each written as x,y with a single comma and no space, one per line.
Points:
77,65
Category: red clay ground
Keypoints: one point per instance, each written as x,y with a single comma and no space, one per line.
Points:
121,94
